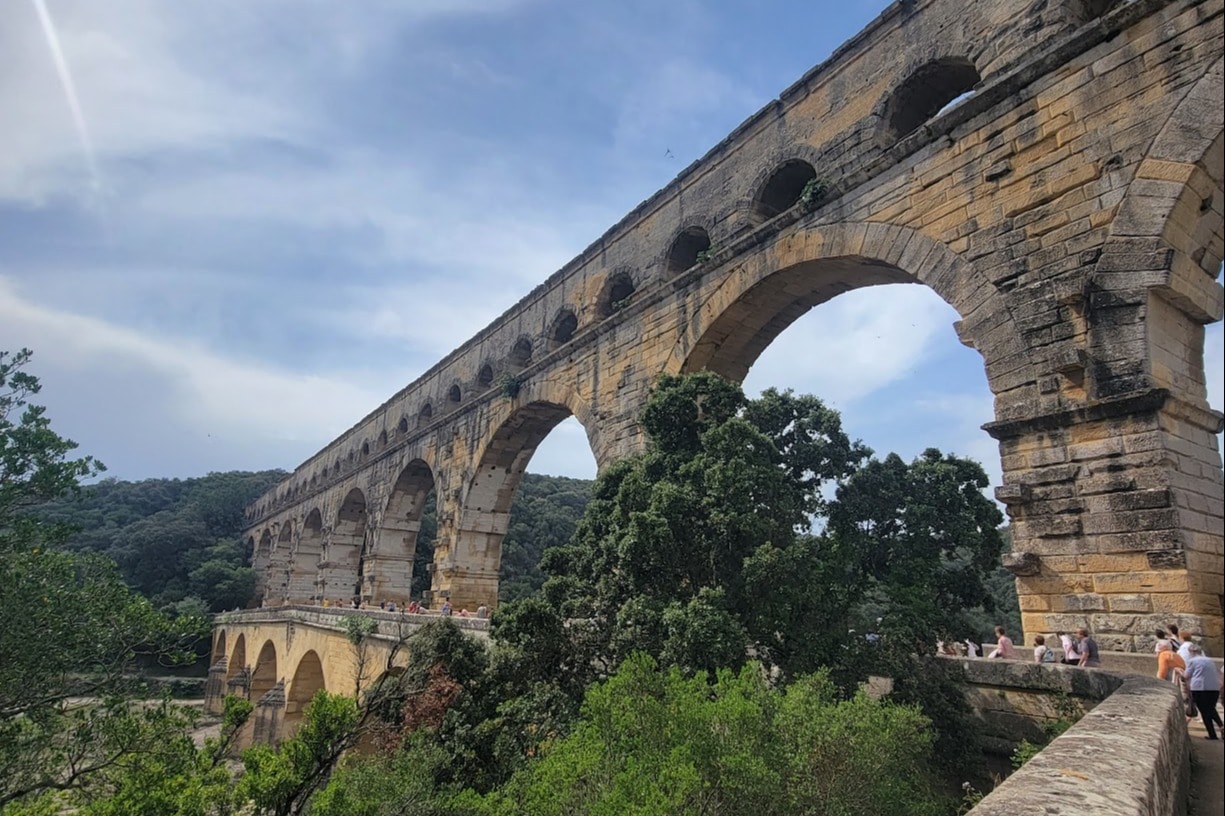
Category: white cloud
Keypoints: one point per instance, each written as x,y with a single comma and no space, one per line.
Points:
151,389
135,95
856,344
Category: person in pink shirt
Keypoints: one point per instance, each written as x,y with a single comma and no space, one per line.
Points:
1003,645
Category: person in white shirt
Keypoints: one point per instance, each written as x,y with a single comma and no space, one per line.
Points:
1071,654
1205,684
1185,644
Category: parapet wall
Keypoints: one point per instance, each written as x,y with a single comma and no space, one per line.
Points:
1128,756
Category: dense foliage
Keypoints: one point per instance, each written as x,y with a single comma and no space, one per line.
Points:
720,542
71,628
174,539
691,649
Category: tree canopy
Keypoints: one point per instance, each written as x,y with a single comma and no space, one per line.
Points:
71,628
758,528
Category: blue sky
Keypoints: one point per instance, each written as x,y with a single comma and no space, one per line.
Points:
269,216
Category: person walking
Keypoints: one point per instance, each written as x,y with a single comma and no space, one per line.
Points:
1089,658
1205,685
1071,654
1184,644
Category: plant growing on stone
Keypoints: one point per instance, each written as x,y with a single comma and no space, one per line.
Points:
509,385
813,192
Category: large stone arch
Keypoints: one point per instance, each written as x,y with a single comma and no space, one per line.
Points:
388,572
264,673
340,571
308,680
307,555
774,287
280,564
261,554
218,651
467,559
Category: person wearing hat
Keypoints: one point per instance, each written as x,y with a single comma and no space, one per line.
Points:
1205,684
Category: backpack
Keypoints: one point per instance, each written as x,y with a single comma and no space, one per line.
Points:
1048,656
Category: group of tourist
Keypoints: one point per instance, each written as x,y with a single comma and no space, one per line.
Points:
446,610
1078,650
1179,659
1182,661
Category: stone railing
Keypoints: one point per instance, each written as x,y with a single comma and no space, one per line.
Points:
1128,755
389,623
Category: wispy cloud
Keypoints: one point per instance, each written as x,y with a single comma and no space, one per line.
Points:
199,387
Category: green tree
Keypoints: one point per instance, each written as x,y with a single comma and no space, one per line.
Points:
721,540
71,627
655,742
172,538
282,780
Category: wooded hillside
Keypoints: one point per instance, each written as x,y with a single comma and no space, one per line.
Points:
179,541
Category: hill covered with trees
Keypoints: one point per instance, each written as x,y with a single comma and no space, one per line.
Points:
179,541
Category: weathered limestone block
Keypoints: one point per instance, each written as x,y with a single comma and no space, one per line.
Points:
267,716
214,687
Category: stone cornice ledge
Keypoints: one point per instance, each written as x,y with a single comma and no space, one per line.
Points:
1129,756
1137,403
1140,402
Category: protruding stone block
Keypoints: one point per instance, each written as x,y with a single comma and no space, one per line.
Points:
1088,602
1012,494
1022,563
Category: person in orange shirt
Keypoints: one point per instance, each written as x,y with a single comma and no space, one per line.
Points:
1168,661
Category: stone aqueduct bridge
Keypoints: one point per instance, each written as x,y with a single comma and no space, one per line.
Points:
1070,210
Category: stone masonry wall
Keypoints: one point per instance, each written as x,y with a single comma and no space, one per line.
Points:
1070,211
1129,756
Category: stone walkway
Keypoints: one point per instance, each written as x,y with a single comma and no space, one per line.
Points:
1207,772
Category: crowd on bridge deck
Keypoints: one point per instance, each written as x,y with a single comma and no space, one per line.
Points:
1180,660
413,607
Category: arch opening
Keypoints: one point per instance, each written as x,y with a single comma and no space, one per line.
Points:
484,377
218,647
861,336
783,189
264,673
925,93
408,524
402,425
307,681
238,659
261,562
454,394
614,294
425,415
563,329
687,249
302,586
521,353
469,565
342,577
276,582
